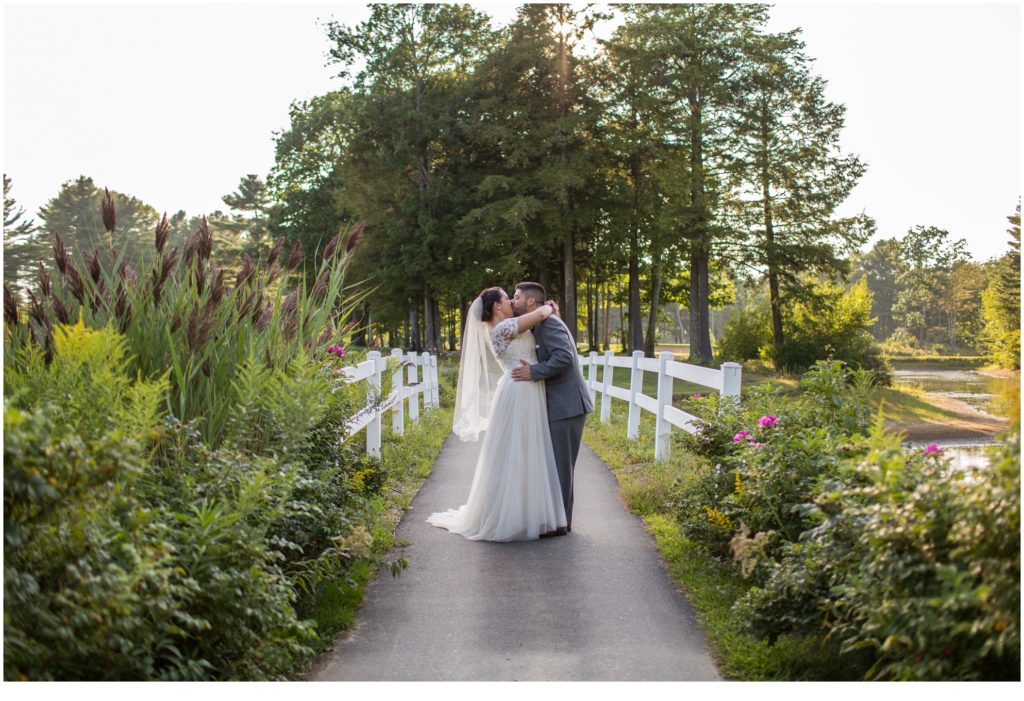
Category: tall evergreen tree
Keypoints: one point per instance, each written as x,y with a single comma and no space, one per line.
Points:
533,120
409,58
74,213
791,176
1001,302
703,49
22,247
637,130
248,221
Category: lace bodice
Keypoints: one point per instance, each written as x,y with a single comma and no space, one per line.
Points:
511,346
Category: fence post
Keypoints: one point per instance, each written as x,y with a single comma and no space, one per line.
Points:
606,380
428,392
434,387
636,386
662,428
591,372
414,381
373,396
732,374
398,411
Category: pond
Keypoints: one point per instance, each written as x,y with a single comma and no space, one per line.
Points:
994,396
988,394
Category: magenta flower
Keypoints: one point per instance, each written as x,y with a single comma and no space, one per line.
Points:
767,421
697,395
932,448
740,437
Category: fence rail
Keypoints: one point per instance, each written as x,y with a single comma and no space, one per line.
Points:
726,380
407,386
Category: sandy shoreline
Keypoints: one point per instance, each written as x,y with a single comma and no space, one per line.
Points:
969,424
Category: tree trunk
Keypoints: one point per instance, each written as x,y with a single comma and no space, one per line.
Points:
700,244
652,323
569,311
416,339
607,320
771,255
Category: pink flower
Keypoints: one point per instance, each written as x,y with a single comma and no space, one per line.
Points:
767,421
757,445
697,395
932,448
740,437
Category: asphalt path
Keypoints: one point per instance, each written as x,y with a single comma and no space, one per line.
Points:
595,605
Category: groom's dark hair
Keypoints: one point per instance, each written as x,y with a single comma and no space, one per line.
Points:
533,290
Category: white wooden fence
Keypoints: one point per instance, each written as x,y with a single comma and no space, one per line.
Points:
726,380
406,383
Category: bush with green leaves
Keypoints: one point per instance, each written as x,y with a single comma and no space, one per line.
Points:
177,477
767,453
829,322
911,566
117,566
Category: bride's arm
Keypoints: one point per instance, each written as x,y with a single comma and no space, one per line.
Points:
528,321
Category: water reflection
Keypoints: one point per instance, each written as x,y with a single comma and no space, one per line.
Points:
962,455
995,396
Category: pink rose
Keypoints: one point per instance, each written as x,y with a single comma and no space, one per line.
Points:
932,448
767,421
739,437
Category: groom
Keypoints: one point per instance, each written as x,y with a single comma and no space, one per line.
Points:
568,399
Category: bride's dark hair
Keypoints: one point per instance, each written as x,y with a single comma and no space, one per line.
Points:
489,297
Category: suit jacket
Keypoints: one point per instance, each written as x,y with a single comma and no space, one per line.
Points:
559,367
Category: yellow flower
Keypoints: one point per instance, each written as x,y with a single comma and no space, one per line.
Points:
718,519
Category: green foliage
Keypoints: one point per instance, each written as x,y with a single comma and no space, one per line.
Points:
1000,302
909,562
831,323
768,453
910,569
747,332
141,545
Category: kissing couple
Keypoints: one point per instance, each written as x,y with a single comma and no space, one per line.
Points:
520,384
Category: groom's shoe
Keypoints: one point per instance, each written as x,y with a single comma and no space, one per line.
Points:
561,530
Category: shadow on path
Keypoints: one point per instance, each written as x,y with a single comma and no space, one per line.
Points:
596,605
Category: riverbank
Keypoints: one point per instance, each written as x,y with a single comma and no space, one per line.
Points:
936,403
944,419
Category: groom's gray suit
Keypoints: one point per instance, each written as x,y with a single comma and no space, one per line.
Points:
567,395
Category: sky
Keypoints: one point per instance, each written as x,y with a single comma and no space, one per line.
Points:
174,103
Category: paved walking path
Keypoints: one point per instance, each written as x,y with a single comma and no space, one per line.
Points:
595,605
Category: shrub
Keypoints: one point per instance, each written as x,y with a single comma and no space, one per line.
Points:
746,333
831,322
907,561
768,453
147,544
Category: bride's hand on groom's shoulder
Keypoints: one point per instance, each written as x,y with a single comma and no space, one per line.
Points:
554,307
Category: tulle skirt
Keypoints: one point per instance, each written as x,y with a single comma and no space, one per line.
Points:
515,493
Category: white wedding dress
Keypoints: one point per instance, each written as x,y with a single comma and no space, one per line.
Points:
515,493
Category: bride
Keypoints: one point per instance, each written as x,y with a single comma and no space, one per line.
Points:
515,493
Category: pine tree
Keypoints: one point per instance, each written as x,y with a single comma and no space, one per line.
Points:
790,174
249,220
412,59
22,247
702,48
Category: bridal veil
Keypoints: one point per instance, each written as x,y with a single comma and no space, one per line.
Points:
479,372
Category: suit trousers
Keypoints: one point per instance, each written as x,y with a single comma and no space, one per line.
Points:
566,436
